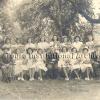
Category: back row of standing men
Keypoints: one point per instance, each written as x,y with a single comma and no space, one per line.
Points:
72,58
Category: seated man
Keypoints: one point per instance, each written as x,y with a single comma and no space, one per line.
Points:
95,56
7,65
52,63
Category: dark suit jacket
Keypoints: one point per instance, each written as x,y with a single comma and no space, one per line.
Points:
52,57
6,58
94,57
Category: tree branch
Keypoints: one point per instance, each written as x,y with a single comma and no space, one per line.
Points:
87,17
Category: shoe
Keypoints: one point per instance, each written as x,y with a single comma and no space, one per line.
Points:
22,79
67,79
19,78
31,79
87,79
40,79
77,78
91,79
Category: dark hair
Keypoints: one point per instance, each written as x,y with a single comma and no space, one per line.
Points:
23,56
27,50
65,48
39,49
77,37
54,36
15,51
85,49
73,49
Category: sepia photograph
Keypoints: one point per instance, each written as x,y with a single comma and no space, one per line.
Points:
49,49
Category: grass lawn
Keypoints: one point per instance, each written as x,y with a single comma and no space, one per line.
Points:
50,90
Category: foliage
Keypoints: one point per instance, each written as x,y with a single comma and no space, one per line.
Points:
49,17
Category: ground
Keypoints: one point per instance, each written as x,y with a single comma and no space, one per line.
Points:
50,90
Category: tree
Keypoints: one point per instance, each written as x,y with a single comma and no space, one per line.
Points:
60,17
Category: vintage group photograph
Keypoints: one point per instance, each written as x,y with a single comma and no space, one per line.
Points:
49,49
